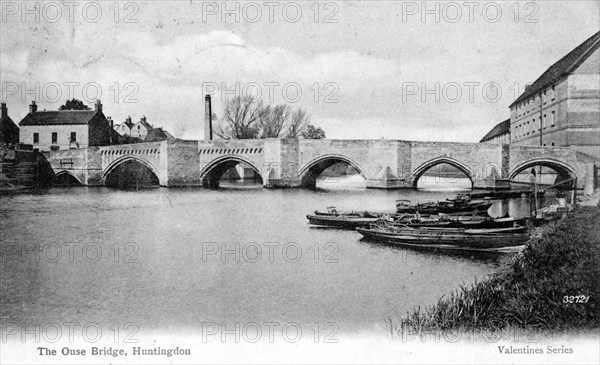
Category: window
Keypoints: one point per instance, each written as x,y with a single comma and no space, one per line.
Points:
552,119
73,136
540,125
545,121
552,94
545,97
54,137
36,138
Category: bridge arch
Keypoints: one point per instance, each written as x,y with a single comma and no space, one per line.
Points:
419,171
66,178
564,171
132,158
312,170
211,174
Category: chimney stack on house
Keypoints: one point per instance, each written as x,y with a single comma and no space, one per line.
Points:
144,119
98,106
32,107
208,131
4,110
128,120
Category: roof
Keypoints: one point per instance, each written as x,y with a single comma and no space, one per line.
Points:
129,124
563,67
145,124
156,134
60,117
499,129
169,135
7,124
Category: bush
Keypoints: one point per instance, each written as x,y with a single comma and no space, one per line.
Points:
564,260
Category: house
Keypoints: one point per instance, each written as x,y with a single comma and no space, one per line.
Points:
9,131
499,134
141,129
67,129
562,107
125,128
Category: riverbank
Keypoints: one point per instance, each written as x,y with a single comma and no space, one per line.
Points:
551,286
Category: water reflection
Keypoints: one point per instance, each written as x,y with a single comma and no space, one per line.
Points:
195,261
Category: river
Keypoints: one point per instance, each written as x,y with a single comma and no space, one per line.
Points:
171,259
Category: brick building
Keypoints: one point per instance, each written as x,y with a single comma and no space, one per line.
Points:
562,107
66,129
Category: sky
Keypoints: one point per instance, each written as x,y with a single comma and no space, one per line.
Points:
427,71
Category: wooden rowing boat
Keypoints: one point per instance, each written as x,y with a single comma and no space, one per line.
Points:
341,221
465,238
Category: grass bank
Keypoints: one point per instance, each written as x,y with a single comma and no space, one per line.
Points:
537,291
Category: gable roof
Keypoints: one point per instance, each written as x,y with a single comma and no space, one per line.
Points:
7,125
128,123
563,67
500,128
145,124
60,117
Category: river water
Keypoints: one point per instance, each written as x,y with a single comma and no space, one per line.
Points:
171,259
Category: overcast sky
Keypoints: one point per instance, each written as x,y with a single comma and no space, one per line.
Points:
365,69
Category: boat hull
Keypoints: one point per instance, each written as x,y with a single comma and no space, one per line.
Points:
476,239
340,221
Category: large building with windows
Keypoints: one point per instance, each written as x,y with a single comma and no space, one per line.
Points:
561,107
499,134
66,129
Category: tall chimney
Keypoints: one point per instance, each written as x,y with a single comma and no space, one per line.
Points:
4,110
33,107
208,131
98,106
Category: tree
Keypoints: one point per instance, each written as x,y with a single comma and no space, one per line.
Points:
241,118
273,120
298,124
245,117
312,132
74,105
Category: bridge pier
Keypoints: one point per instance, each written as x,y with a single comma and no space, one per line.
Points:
386,179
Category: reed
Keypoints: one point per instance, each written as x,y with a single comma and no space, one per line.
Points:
562,260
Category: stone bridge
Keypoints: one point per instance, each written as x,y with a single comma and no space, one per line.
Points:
283,163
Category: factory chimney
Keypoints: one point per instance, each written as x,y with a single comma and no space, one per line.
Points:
208,131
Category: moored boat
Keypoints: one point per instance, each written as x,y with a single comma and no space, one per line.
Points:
451,206
457,237
333,211
341,221
450,221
